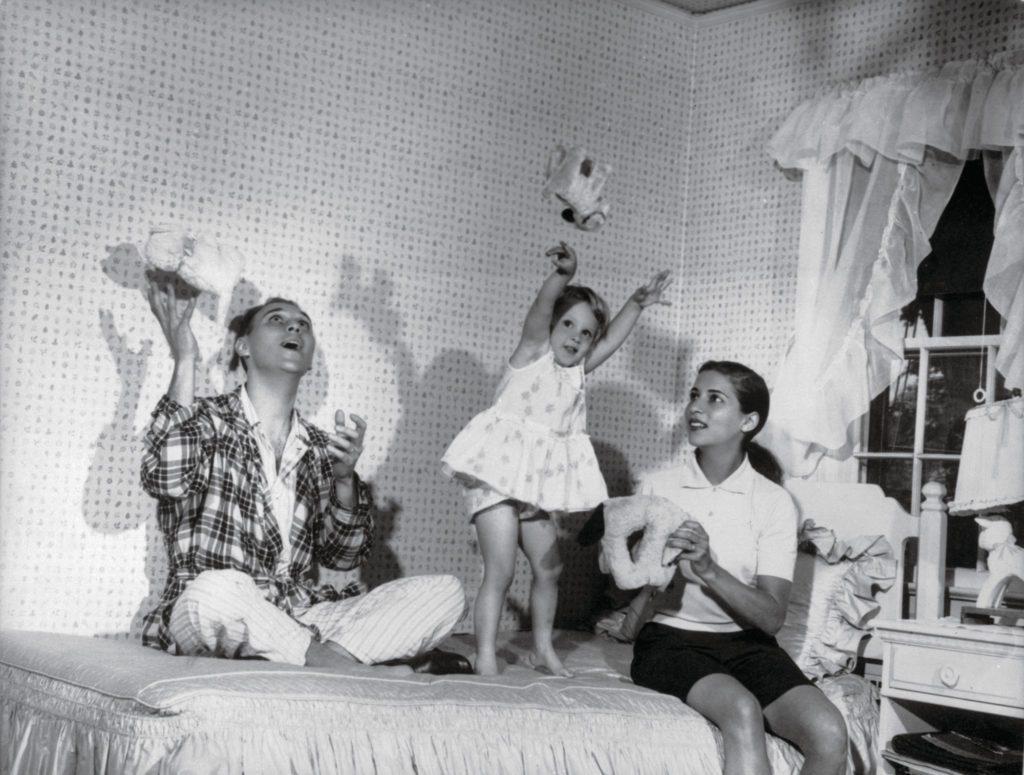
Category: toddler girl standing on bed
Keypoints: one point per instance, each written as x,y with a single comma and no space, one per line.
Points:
529,455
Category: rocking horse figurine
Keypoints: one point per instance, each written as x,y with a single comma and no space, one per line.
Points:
1005,559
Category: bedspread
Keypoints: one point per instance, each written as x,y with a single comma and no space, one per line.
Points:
72,704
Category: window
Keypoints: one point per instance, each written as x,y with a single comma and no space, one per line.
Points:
914,430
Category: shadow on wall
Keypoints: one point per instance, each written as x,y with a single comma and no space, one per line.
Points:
618,411
407,482
113,499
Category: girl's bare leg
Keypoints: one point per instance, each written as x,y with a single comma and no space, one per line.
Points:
539,539
497,529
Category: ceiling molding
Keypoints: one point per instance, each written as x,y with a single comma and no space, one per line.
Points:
675,10
661,8
746,11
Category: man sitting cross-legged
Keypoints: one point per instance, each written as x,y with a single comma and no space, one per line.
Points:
251,497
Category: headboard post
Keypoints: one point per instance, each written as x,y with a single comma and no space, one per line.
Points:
931,554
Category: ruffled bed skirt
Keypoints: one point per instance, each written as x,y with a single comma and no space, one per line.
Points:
80,705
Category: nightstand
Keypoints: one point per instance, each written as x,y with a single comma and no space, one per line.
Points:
934,672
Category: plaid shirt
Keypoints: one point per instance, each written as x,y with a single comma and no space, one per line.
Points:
202,465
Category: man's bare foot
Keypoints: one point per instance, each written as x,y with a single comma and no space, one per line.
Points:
547,660
329,654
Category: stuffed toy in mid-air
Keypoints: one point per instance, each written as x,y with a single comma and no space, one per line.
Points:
576,180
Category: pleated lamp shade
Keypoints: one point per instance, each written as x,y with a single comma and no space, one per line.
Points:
992,459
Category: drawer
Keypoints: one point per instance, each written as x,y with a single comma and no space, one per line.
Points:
989,676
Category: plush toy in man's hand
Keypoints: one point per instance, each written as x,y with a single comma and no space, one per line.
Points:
200,263
616,520
576,180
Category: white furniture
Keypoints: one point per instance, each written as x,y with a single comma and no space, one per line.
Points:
935,671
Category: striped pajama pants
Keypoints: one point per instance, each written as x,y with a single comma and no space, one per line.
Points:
223,613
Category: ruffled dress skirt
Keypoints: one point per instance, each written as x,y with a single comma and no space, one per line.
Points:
526,461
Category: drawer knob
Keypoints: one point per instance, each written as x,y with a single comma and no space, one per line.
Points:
949,676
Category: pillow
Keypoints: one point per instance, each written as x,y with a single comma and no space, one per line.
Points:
832,598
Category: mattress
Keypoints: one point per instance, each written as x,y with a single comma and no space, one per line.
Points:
71,704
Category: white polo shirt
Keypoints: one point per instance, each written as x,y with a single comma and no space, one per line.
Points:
751,524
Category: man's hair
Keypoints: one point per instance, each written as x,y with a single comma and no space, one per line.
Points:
241,325
573,295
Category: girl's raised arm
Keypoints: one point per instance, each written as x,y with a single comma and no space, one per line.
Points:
622,324
537,326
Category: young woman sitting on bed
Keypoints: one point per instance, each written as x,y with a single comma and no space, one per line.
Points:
711,641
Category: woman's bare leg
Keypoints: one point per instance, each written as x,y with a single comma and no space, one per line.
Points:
737,713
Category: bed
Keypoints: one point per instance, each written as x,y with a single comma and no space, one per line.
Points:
75,704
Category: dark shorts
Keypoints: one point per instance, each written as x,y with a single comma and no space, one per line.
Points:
671,661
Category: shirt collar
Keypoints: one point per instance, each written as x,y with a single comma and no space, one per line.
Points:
740,481
249,412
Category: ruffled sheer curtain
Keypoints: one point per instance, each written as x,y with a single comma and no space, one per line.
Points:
880,161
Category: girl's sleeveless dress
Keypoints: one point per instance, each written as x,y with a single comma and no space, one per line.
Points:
531,445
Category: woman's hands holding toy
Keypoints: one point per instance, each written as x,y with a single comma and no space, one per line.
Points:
649,294
692,542
564,259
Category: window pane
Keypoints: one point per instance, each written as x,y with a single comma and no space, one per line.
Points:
893,476
891,418
952,380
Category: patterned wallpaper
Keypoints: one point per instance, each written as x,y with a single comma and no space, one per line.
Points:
382,164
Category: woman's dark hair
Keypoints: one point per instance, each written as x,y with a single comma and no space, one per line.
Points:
241,325
753,396
573,295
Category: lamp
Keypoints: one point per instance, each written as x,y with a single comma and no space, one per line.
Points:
991,476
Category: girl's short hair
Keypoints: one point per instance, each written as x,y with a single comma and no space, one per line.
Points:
753,396
241,325
573,295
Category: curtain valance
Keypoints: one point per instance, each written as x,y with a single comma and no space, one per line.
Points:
958,109
880,160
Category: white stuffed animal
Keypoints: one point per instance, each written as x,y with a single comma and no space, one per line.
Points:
576,180
1005,559
645,566
202,264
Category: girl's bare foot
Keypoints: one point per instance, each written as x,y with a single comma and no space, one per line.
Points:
547,660
486,664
